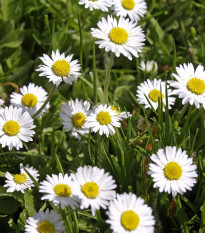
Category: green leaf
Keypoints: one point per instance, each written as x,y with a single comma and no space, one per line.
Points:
30,202
8,205
11,9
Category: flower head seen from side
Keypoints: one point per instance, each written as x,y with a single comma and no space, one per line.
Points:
21,181
121,115
31,98
172,171
45,222
1,102
94,187
131,8
59,68
190,84
59,190
15,127
154,90
128,213
149,66
74,115
102,5
119,37
103,119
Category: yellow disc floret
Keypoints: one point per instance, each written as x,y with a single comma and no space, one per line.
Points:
130,220
155,94
116,110
103,118
78,120
196,86
90,190
20,178
61,68
11,128
29,100
46,227
118,35
172,171
62,190
128,4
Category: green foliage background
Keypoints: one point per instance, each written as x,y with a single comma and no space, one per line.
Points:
174,35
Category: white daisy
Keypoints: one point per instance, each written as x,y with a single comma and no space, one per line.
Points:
153,90
45,222
15,127
102,119
120,114
172,171
122,37
21,181
31,99
190,84
1,102
102,5
131,8
149,66
59,68
128,213
94,187
59,190
74,115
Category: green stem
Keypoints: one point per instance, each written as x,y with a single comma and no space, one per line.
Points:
81,38
94,76
47,100
108,77
183,222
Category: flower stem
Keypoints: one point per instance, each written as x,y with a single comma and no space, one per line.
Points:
108,77
94,76
47,100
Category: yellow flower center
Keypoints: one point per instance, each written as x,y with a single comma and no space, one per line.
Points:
118,35
20,178
90,190
46,227
172,171
29,100
78,119
116,110
128,4
11,128
130,220
155,94
62,190
103,118
61,68
196,86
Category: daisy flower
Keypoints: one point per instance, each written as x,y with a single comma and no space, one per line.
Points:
120,114
131,8
190,84
45,222
74,115
94,187
120,37
59,190
128,213
1,102
153,90
21,181
31,98
59,68
172,171
102,5
102,119
149,66
15,127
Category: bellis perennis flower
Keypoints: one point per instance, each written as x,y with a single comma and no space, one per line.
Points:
172,171
59,68
120,37
102,5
